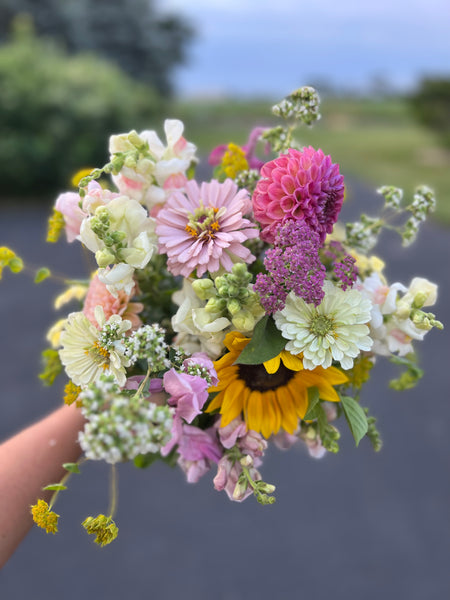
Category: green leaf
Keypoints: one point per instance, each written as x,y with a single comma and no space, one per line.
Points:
356,418
16,264
72,467
52,366
142,461
42,274
313,399
266,343
57,487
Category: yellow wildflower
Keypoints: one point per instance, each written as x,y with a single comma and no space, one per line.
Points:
74,292
54,333
44,517
234,161
360,372
55,226
368,264
103,528
8,258
71,392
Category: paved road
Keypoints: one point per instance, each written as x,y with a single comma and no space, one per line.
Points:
356,525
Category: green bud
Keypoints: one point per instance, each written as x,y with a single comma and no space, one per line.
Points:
130,161
104,258
243,320
233,306
216,305
117,163
246,461
267,488
118,236
419,299
204,288
134,139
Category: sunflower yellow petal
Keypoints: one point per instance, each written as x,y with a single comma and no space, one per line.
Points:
291,361
254,411
233,402
272,365
300,396
289,415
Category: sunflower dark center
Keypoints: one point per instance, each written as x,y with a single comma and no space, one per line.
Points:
257,378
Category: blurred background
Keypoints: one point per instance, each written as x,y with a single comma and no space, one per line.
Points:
357,524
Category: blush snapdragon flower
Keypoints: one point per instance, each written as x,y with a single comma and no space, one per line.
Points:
205,229
75,209
300,185
162,171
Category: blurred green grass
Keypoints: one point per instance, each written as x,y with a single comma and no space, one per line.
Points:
376,141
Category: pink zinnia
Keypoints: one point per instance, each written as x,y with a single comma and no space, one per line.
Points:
120,305
204,228
300,185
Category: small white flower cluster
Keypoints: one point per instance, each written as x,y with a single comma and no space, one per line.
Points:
192,368
303,104
363,234
120,425
392,195
424,201
148,343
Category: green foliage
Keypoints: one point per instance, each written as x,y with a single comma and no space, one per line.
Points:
410,376
56,113
313,401
372,432
266,343
42,274
52,366
55,487
356,417
133,34
431,106
71,467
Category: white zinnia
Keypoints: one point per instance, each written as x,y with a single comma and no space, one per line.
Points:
334,330
88,352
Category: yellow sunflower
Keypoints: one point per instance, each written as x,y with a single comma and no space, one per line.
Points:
270,396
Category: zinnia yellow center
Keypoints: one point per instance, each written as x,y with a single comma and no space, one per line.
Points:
203,222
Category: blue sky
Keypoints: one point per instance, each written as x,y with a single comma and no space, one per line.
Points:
248,47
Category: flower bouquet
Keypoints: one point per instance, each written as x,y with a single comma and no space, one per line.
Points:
225,315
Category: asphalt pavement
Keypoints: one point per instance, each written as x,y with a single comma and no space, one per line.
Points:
357,524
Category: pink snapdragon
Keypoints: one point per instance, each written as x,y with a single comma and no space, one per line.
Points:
188,393
75,209
249,443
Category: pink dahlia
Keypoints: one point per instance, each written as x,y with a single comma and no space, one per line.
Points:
303,185
120,305
204,228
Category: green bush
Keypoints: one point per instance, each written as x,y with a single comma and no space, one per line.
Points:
431,106
57,112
